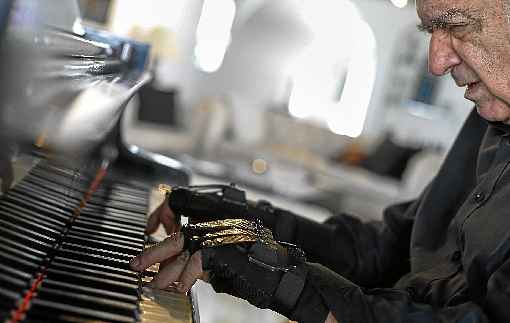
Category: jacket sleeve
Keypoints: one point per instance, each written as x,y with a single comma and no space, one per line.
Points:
497,299
370,254
350,303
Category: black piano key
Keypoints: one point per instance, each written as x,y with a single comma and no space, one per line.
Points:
113,196
38,206
15,272
61,201
63,213
19,220
98,292
21,246
64,184
96,251
95,273
93,282
106,219
102,227
117,206
101,238
42,192
134,220
128,240
87,301
54,169
94,258
15,261
103,244
49,188
21,254
120,197
98,219
109,210
29,214
55,312
124,189
98,267
8,301
59,168
14,234
12,284
91,234
61,188
4,224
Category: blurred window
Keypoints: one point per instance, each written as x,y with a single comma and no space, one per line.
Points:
341,56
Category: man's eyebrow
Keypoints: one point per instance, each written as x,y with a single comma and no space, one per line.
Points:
449,17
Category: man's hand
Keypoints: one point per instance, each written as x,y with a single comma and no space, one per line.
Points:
163,215
228,270
177,268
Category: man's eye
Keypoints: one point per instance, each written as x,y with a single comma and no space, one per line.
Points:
459,29
425,29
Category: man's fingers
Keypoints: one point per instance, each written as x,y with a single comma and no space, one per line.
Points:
168,223
164,215
191,272
153,221
169,247
170,272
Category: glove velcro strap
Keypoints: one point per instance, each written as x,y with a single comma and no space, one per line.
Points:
290,288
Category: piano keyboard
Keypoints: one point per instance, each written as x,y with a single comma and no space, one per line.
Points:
65,244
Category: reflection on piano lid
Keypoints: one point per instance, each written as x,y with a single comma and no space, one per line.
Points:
67,93
69,227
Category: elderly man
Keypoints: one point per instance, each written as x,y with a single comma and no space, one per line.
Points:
444,257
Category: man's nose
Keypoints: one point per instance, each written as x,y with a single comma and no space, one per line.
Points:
442,56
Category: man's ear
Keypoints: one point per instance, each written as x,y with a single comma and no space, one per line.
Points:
331,318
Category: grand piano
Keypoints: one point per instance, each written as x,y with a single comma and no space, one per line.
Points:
77,210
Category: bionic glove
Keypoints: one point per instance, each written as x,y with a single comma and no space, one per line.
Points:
244,260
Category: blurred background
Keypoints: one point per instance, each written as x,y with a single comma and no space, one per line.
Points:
326,104
321,106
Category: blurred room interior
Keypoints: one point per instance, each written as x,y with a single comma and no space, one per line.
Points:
318,106
324,105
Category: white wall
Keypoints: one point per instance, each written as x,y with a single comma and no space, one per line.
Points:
255,69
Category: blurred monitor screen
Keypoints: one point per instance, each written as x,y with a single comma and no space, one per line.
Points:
5,8
158,106
425,91
95,10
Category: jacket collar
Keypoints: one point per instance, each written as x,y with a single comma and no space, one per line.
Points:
502,128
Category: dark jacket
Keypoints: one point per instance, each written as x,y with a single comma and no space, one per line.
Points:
444,257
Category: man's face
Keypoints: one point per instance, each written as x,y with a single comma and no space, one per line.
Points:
470,39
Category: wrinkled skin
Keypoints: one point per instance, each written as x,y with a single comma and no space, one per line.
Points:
163,215
470,39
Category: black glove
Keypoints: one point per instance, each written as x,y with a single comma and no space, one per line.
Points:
244,261
217,202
